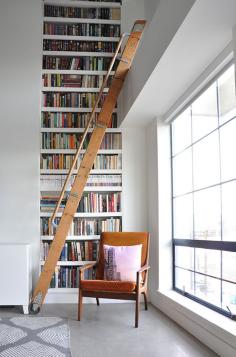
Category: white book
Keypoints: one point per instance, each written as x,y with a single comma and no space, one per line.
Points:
79,251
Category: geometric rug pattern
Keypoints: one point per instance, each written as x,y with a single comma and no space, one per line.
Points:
30,336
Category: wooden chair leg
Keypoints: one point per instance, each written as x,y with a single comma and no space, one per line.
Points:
145,300
137,304
97,299
80,305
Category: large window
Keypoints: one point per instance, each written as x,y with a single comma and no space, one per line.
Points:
204,197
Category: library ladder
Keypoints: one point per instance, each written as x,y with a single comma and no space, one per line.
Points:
87,162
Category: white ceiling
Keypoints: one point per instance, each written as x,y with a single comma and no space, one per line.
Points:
204,33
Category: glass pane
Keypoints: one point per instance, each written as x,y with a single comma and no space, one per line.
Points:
208,261
183,217
226,92
204,113
229,266
228,150
182,173
208,289
206,168
229,296
207,217
228,211
181,132
184,257
184,280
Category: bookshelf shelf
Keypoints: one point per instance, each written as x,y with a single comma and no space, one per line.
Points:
71,110
84,3
73,89
76,130
71,263
86,214
81,20
73,151
80,38
63,290
77,54
87,189
74,25
78,72
73,238
64,172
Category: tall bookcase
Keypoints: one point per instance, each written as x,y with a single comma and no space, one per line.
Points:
79,38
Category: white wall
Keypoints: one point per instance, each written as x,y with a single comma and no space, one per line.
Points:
234,46
159,205
152,203
160,30
150,7
131,10
134,205
20,63
173,54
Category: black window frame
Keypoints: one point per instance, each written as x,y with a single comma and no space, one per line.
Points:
228,246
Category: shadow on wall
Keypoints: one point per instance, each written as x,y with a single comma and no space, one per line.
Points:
150,7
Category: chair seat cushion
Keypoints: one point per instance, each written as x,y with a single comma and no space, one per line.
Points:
104,285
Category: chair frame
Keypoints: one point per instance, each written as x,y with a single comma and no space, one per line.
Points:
134,295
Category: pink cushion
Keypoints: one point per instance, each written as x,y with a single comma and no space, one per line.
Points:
122,262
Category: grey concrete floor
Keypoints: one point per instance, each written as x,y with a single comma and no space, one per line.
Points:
108,331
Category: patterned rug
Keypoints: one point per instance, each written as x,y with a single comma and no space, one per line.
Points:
28,336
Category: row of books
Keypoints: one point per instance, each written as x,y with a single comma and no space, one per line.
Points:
74,251
77,63
70,120
72,141
48,203
64,161
100,202
62,141
79,46
84,29
74,80
71,100
68,277
57,181
83,226
91,202
76,12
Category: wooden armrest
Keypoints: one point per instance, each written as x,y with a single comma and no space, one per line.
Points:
87,266
145,267
141,270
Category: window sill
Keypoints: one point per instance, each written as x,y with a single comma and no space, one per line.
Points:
198,320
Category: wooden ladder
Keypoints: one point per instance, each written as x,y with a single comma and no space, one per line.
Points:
87,162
